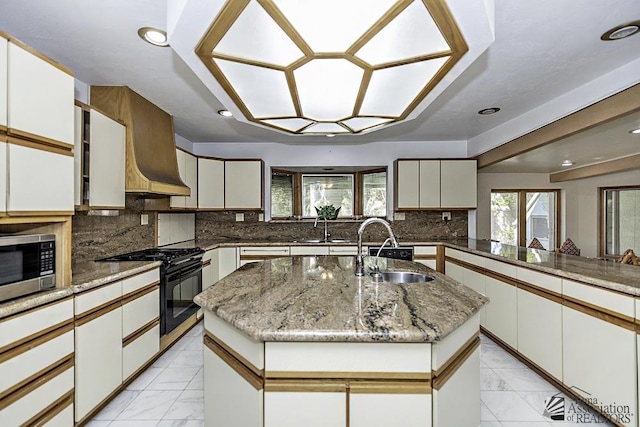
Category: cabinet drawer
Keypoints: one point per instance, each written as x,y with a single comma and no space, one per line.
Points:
26,365
541,280
139,312
33,403
344,250
140,351
309,250
133,283
63,419
97,297
264,250
24,325
425,250
608,300
501,268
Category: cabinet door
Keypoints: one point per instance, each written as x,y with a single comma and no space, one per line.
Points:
458,184
98,360
78,114
429,183
407,184
210,183
106,162
180,201
463,386
3,83
309,250
309,409
477,282
243,184
406,410
210,273
40,96
3,176
540,331
191,179
599,358
39,180
501,312
228,261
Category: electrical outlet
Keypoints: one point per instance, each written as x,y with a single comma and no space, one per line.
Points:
260,217
398,216
446,216
239,217
144,219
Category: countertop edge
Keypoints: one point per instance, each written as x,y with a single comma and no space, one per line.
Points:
29,302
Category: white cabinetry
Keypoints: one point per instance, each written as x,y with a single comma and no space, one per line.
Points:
40,97
188,170
210,183
345,250
243,184
310,250
98,347
501,315
99,158
458,184
36,365
608,371
309,409
260,253
3,175
436,184
39,180
228,261
426,255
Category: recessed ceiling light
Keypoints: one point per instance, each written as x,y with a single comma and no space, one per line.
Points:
567,163
154,36
621,31
225,113
635,131
487,111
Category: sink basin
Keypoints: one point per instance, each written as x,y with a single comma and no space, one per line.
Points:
403,277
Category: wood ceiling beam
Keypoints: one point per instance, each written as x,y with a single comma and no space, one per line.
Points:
606,110
622,164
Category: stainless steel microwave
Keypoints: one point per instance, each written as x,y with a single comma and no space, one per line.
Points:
27,264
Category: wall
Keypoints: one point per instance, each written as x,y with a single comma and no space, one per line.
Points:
417,226
372,154
102,236
579,202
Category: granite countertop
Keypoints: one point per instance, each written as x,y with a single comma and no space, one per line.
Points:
91,274
320,299
27,302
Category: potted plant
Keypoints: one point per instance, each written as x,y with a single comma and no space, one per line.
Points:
327,212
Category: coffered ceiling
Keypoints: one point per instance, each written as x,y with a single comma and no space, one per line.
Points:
542,50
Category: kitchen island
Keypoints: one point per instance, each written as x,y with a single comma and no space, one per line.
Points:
303,341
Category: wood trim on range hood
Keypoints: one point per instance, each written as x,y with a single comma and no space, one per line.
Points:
152,164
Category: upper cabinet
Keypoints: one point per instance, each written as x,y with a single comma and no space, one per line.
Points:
210,183
243,185
435,184
99,160
188,170
40,96
36,133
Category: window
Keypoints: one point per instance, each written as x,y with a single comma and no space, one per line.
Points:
519,216
621,225
298,193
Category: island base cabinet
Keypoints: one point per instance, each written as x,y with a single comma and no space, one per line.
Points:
540,332
599,363
501,312
98,360
308,409
229,400
462,390
140,351
406,410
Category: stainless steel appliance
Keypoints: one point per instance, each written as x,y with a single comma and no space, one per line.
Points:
401,252
27,264
180,281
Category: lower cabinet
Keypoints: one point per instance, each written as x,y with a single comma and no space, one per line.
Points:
540,331
309,409
228,261
501,312
98,360
309,250
37,366
260,253
406,410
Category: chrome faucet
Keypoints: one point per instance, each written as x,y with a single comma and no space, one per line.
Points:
326,228
360,256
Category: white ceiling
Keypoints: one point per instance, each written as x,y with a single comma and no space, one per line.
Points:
543,49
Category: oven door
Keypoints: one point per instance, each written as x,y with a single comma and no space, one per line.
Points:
181,285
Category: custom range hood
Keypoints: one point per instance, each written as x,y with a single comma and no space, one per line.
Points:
152,165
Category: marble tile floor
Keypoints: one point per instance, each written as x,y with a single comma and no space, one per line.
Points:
170,392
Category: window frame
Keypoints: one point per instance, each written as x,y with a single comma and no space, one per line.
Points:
602,219
358,189
522,213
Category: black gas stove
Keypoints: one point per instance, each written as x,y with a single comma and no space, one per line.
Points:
180,281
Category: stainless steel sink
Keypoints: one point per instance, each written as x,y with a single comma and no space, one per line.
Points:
402,277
